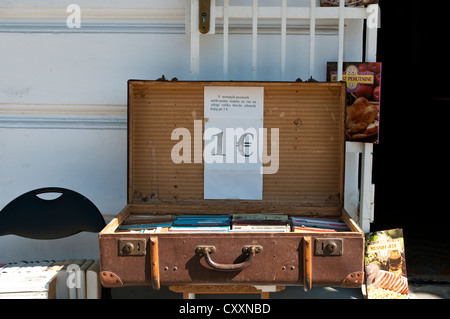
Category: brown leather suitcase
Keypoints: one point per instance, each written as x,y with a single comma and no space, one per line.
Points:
309,182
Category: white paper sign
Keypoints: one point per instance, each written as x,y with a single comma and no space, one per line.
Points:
234,102
232,151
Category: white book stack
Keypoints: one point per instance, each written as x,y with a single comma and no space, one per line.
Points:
93,286
63,279
28,280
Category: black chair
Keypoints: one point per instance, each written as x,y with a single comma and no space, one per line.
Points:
33,217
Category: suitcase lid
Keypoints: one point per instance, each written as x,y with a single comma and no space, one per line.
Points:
310,118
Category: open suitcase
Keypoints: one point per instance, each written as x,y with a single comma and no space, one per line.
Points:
309,183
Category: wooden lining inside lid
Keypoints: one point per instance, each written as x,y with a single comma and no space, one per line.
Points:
310,119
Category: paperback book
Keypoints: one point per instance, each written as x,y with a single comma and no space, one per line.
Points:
202,220
145,223
260,223
49,279
199,229
385,265
305,224
137,219
201,223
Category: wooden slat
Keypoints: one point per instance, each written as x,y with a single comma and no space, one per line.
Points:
254,39
116,221
341,39
312,38
307,263
225,38
283,39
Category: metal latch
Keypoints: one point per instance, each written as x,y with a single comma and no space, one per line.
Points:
132,247
328,247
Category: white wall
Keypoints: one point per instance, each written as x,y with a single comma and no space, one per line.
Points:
63,92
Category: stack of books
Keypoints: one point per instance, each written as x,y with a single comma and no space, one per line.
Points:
49,279
144,223
201,224
260,223
303,224
188,223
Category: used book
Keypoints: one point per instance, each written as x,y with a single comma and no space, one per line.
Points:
49,279
305,224
385,265
201,223
146,223
362,100
260,223
274,222
28,280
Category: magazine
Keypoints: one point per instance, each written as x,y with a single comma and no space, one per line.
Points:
385,265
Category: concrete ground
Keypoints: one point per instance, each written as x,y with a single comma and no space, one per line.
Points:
425,290
436,290
428,267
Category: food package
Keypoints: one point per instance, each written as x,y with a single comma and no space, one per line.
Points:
363,99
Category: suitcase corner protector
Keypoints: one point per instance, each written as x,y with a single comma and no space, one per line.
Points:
353,280
110,279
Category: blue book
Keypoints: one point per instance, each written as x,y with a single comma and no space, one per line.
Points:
202,220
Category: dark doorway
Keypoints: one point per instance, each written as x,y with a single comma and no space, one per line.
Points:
410,165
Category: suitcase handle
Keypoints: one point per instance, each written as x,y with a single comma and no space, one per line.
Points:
248,250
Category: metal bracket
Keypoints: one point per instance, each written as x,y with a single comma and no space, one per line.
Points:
204,249
204,14
328,247
132,247
252,249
